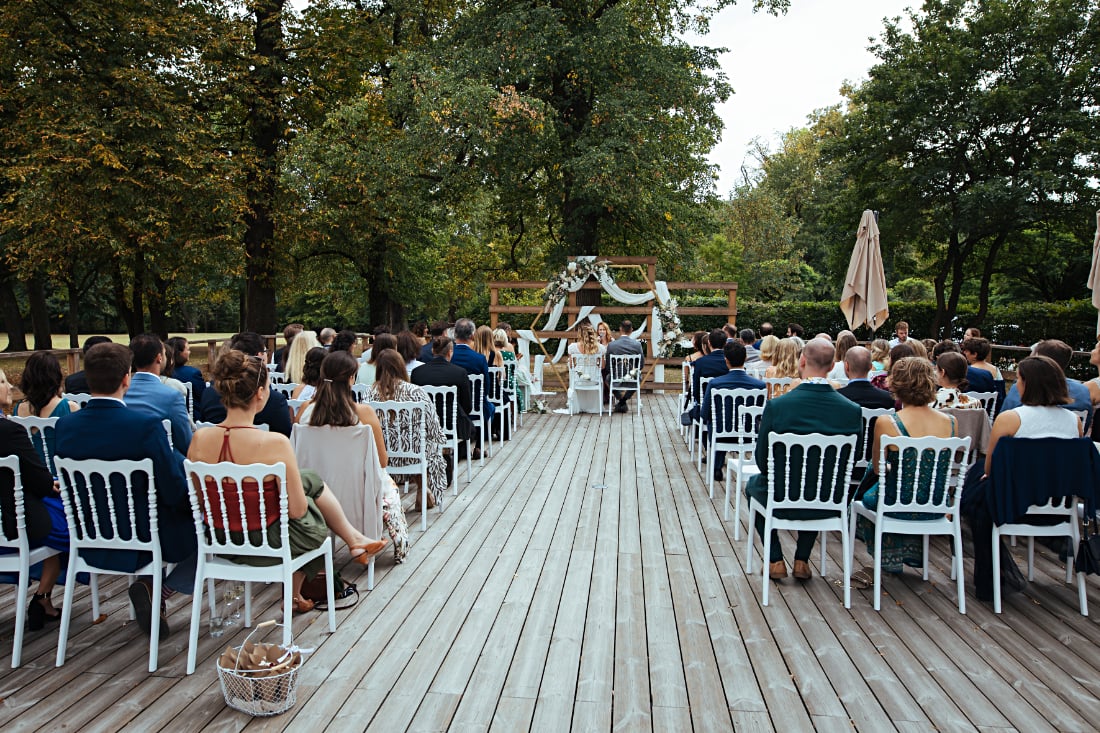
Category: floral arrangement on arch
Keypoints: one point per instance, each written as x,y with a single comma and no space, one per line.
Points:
575,273
669,317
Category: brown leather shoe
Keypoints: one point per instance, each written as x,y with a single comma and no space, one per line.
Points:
777,570
802,570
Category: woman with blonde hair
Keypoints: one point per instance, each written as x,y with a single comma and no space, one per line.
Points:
603,333
314,511
844,341
880,350
483,344
296,358
785,365
587,342
504,348
768,345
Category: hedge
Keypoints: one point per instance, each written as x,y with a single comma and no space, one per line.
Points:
1017,324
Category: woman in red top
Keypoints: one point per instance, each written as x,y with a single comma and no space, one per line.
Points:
242,382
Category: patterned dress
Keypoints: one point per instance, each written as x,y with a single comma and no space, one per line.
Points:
400,434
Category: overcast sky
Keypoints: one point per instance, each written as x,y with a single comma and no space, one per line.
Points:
783,68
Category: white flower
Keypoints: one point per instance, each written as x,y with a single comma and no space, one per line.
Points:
571,267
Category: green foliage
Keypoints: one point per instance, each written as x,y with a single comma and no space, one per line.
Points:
912,289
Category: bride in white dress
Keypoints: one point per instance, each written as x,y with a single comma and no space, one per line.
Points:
585,372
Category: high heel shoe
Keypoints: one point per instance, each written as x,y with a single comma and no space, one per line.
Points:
368,551
36,613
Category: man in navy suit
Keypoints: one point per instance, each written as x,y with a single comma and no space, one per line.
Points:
437,329
857,365
75,382
148,395
711,365
276,413
107,429
735,353
473,362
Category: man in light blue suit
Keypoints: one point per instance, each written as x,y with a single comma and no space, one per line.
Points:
108,429
473,362
149,396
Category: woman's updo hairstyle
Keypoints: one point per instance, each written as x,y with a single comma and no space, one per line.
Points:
954,368
311,369
237,378
913,380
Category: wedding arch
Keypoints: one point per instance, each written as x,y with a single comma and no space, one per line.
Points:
657,312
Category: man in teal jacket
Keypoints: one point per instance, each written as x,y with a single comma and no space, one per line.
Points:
811,407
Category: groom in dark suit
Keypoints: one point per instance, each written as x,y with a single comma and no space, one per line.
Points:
107,429
626,344
811,407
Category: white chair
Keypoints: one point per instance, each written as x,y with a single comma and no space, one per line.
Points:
446,409
80,398
697,425
295,405
1066,508
259,426
189,394
743,461
511,389
20,558
477,414
988,400
360,391
778,386
101,515
217,502
411,446
941,465
832,455
498,398
686,370
756,370
347,459
866,445
276,377
624,375
36,427
287,388
585,379
726,434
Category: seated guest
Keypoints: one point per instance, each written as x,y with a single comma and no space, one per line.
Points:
375,333
897,352
440,372
437,329
902,329
391,384
1093,385
976,351
913,382
626,344
41,386
587,343
844,341
483,344
766,329
295,356
748,338
44,514
1061,353
344,341
382,341
474,363
794,330
408,346
313,510
181,370
768,344
275,412
978,380
701,342
811,407
326,336
147,395
951,378
857,365
784,365
711,365
283,352
1041,395
167,377
736,378
880,350
507,352
420,330
110,430
311,374
972,333
75,383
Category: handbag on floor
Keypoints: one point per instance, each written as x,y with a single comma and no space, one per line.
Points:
345,594
1087,559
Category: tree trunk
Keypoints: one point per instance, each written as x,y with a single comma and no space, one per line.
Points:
74,309
266,131
987,276
158,317
122,303
40,315
13,319
379,303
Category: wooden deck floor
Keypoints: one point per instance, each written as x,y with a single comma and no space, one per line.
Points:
540,601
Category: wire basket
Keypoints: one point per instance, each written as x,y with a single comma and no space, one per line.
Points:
259,692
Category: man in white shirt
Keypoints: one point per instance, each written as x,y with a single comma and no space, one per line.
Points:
902,334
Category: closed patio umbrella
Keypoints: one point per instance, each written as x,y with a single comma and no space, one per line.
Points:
1094,273
864,296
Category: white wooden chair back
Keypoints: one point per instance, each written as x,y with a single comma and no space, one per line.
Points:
19,556
697,425
446,409
218,492
866,443
477,413
407,446
360,392
287,388
585,376
189,395
276,377
778,386
988,400
80,398
36,428
107,509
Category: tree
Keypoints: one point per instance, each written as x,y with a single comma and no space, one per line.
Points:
976,127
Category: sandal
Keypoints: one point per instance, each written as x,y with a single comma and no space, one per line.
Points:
302,605
367,552
862,580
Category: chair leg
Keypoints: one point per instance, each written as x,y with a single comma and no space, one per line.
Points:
93,586
330,590
288,608
66,615
154,621
846,543
20,614
749,543
248,603
996,572
824,558
878,566
924,555
710,468
765,556
957,569
196,615
1030,559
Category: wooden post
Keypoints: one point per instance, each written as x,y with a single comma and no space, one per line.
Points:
494,299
